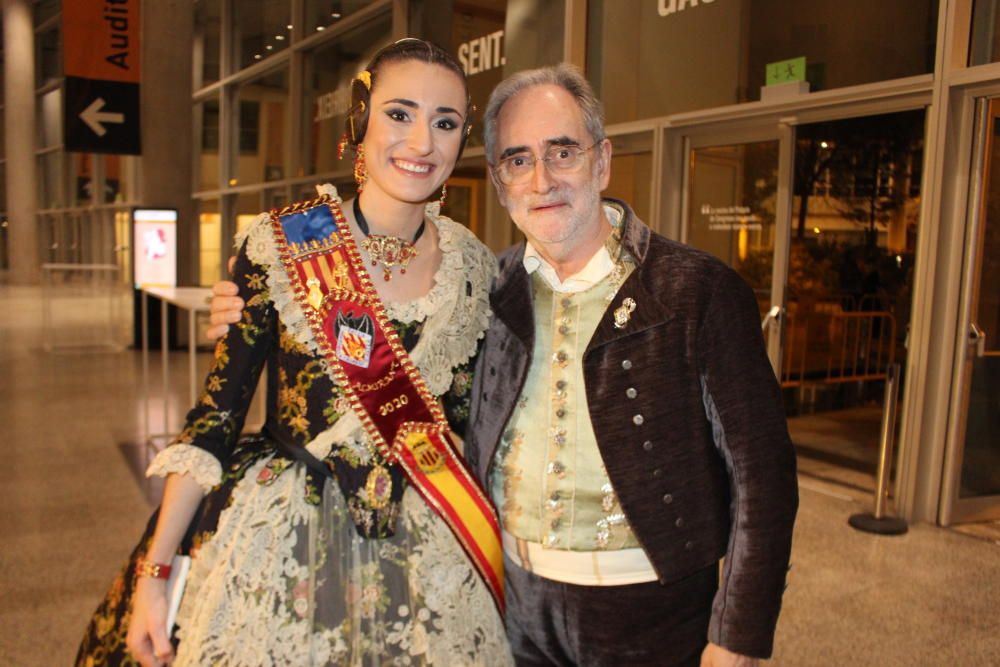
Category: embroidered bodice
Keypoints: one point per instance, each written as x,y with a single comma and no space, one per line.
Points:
305,408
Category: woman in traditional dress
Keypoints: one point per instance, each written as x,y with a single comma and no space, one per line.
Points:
326,539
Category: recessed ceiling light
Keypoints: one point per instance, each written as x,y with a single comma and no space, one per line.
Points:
269,47
289,26
257,56
335,15
279,37
321,28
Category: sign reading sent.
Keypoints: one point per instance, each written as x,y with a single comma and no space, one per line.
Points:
101,62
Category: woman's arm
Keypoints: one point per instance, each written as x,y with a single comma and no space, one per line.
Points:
147,638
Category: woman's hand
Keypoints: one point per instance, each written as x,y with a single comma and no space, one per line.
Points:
147,638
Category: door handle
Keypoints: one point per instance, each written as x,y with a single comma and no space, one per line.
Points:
977,337
772,316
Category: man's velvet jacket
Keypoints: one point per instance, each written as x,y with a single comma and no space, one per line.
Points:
709,470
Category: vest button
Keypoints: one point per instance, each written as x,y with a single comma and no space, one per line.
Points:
688,546
667,498
638,420
631,392
648,446
680,522
627,365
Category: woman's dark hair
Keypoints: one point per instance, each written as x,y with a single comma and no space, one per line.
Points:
404,50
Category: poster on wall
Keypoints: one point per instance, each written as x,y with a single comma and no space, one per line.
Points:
102,76
155,241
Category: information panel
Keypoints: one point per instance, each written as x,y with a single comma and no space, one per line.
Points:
155,242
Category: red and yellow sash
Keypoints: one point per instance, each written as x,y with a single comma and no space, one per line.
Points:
399,413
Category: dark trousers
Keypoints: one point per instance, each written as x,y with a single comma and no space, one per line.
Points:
552,623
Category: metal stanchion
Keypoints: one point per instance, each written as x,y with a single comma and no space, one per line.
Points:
879,522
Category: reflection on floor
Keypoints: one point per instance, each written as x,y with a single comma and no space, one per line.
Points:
839,445
70,424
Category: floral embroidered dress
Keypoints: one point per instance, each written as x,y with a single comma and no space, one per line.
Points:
290,567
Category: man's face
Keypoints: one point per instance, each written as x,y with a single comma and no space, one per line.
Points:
553,210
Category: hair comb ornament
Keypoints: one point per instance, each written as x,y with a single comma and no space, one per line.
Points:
365,77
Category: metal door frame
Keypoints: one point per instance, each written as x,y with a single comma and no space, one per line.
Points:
952,508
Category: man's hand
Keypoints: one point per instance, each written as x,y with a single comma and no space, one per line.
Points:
226,308
716,656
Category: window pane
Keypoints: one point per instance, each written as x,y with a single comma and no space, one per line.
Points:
323,13
49,57
718,52
985,47
329,71
262,107
261,29
207,52
209,242
207,165
480,45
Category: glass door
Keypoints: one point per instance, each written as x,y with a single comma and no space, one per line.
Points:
972,475
736,207
821,220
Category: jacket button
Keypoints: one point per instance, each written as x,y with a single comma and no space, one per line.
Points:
627,365
638,420
647,446
667,499
680,522
688,546
631,392
658,473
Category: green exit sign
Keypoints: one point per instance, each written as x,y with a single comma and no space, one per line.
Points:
786,71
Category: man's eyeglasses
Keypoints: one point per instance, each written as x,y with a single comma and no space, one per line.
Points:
558,160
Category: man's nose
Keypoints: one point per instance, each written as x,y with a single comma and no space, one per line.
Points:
541,179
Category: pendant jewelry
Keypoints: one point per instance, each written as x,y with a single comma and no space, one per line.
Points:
360,168
389,251
624,312
378,487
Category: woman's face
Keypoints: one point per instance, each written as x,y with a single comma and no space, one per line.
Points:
414,130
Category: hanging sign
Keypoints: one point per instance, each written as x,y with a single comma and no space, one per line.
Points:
101,64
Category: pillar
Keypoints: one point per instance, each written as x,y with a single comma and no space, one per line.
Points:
19,126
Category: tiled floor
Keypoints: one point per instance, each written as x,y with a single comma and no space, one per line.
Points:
71,507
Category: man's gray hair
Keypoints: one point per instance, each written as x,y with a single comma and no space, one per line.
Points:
565,76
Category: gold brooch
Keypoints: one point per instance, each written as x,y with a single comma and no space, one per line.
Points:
624,312
315,296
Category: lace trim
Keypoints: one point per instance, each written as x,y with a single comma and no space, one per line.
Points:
454,321
283,582
187,459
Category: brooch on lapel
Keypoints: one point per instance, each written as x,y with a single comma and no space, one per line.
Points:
624,312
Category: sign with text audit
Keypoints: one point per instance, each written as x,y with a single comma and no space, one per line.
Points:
101,62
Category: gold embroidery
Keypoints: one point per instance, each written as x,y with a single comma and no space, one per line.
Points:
292,404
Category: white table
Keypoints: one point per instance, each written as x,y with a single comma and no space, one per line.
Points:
194,300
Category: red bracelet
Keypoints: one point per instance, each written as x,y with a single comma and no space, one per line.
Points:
146,568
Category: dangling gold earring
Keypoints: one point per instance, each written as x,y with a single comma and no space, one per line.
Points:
342,146
360,168
444,193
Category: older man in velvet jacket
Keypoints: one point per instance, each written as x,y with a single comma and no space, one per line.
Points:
625,418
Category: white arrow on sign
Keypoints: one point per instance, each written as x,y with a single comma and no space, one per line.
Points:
95,118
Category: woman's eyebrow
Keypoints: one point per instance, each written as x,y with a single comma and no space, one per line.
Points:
413,105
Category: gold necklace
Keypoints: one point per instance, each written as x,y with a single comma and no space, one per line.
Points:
389,251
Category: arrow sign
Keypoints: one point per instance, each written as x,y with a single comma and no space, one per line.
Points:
95,118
